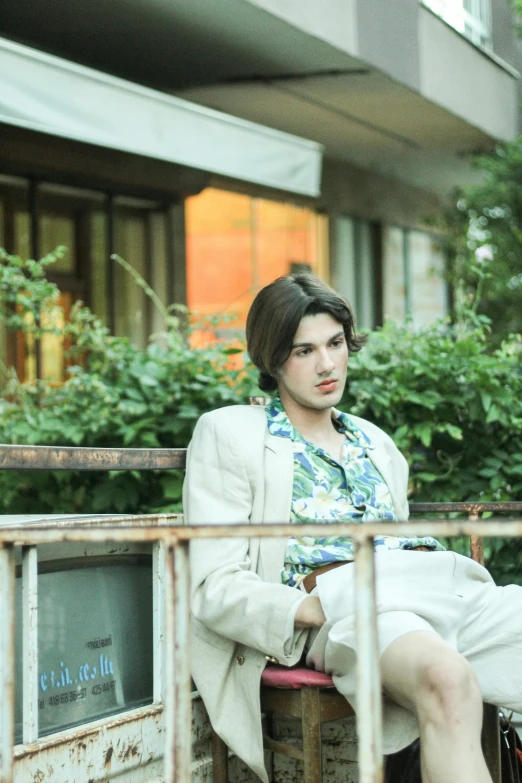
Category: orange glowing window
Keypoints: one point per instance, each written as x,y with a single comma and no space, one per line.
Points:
236,244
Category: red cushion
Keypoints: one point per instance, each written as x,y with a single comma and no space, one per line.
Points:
294,677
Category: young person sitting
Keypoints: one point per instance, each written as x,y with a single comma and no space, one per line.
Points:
448,637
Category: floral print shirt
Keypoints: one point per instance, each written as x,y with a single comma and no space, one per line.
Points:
327,491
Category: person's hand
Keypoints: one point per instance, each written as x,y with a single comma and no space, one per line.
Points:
309,613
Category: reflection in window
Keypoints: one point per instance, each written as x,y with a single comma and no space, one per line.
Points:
414,276
472,18
237,244
81,222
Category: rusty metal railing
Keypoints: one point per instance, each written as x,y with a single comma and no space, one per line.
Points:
174,539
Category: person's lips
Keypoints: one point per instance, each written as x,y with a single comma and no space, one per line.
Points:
327,386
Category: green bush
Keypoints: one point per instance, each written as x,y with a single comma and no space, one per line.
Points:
452,405
454,409
118,396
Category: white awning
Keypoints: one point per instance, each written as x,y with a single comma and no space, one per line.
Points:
51,95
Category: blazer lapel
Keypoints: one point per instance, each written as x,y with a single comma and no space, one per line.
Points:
381,458
279,477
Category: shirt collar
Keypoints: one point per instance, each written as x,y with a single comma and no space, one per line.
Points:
279,424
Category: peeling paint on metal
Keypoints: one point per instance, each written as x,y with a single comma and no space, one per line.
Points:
128,743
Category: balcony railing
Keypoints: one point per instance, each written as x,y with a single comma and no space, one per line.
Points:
171,710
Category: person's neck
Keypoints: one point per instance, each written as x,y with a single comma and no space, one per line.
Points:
313,425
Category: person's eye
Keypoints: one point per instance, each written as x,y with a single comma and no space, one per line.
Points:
338,342
303,352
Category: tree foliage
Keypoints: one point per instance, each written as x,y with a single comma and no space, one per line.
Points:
485,231
484,227
454,408
115,396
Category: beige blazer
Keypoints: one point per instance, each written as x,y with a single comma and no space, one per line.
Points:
237,472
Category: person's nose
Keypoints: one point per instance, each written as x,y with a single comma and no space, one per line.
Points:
325,363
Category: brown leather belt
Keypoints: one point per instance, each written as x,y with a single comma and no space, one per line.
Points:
310,580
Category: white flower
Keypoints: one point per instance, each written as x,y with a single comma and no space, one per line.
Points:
382,494
346,507
323,502
392,542
353,452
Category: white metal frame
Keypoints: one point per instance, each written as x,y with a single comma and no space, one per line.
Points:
171,627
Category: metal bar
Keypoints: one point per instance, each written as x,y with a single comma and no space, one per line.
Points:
276,746
158,622
490,723
102,520
469,507
170,646
81,458
369,699
311,725
182,681
178,704
7,631
491,742
476,542
158,530
30,643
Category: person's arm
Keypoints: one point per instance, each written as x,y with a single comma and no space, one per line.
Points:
227,596
309,613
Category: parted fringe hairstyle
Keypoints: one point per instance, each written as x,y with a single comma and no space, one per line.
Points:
276,313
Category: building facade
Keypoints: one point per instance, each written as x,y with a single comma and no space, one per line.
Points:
97,153
215,146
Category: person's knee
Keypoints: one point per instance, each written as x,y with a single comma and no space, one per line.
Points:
448,688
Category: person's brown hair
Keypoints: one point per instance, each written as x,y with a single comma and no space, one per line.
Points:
276,313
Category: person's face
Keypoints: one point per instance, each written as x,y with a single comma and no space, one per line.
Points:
314,375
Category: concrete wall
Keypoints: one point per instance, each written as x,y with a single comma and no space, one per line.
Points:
457,75
504,42
334,21
383,278
388,38
416,48
358,192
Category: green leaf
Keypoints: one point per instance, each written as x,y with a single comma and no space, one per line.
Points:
454,431
172,484
486,400
493,414
424,432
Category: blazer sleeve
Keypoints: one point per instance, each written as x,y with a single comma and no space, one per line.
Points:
227,596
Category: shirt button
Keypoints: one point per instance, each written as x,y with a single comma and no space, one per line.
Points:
240,659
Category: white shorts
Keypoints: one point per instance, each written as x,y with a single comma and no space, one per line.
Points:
441,592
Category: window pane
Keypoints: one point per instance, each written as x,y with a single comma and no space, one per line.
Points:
94,644
219,254
429,295
51,345
55,230
130,242
22,235
237,244
395,295
159,266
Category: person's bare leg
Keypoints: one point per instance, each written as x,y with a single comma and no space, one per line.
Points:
422,673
